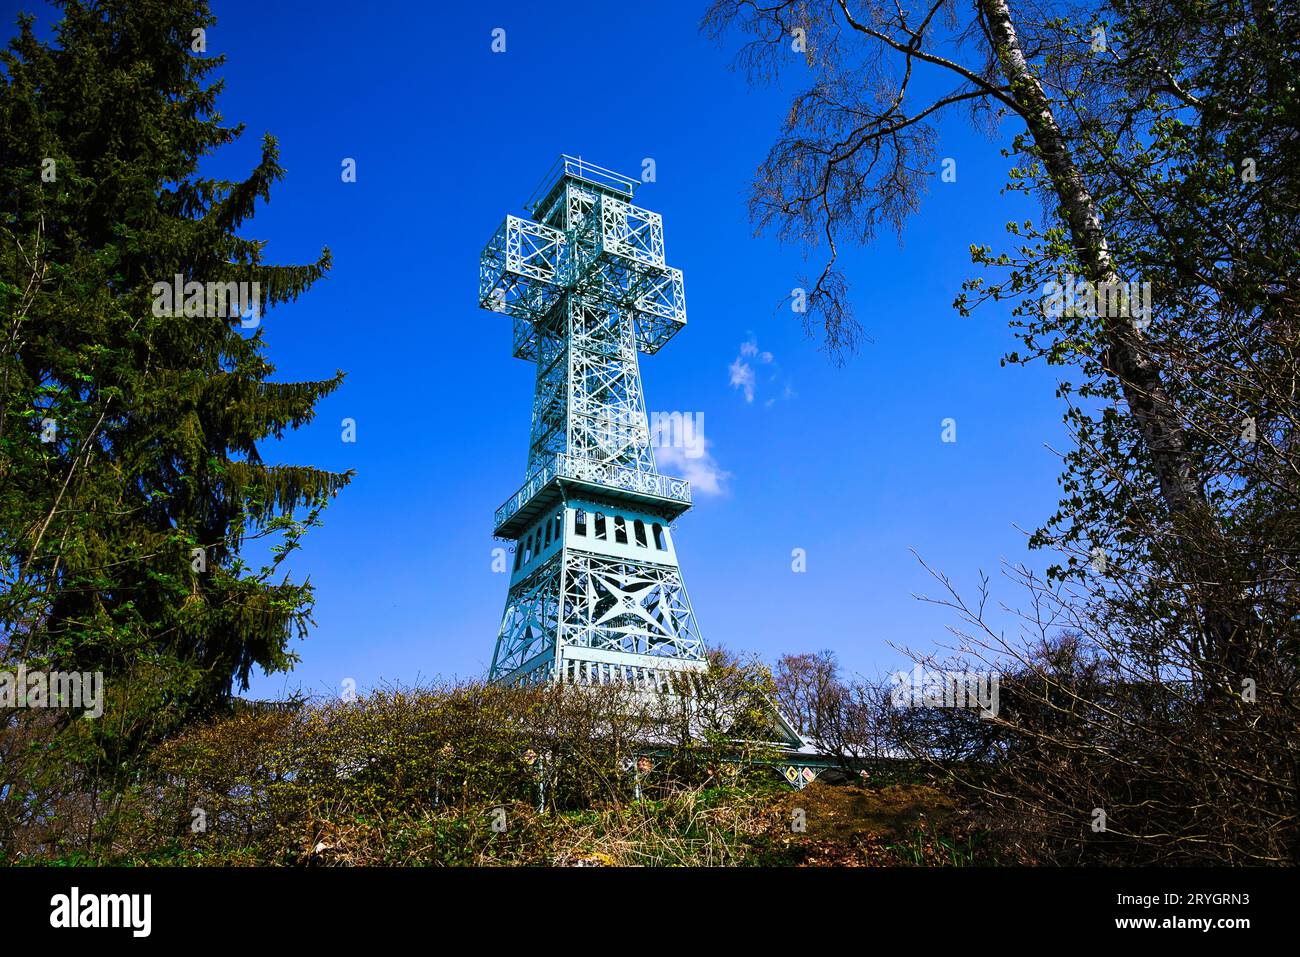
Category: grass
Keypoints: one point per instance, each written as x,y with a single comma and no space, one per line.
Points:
897,823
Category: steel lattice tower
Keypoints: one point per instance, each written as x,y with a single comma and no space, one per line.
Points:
596,593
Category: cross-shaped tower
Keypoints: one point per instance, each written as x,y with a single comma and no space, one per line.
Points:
596,593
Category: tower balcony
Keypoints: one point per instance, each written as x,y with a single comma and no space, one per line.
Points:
657,493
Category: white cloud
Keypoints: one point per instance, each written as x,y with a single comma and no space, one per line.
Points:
742,377
702,471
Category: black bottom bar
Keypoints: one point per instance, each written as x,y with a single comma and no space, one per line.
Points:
951,907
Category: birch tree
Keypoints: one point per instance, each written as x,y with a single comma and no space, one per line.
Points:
857,148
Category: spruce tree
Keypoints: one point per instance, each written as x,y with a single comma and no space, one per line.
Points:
131,470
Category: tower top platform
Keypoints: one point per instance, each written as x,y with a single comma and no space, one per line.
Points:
575,167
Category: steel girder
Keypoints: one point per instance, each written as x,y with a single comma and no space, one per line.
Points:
588,400
624,606
530,623
597,610
549,434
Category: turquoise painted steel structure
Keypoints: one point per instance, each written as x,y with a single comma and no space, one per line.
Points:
596,593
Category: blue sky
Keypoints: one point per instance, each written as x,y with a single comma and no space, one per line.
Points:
448,137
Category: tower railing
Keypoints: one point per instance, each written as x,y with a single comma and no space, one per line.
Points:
578,468
576,167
